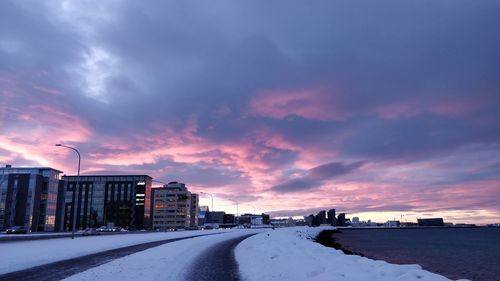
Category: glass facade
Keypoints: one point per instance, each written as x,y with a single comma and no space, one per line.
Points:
28,197
103,200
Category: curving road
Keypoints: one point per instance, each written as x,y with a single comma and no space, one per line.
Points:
217,263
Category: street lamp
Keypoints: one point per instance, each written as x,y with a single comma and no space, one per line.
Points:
235,218
212,199
75,189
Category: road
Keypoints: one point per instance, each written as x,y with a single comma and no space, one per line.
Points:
217,263
205,257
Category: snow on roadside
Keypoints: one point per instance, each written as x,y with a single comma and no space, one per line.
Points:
290,254
171,261
18,255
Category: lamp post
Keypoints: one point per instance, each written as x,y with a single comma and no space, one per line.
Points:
211,195
75,189
235,218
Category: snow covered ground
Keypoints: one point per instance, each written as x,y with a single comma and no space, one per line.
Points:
290,254
19,255
282,254
166,262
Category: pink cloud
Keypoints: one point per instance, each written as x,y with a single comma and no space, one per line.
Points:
457,107
313,103
453,107
47,90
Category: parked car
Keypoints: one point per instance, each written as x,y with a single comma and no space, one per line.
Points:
16,230
102,229
90,231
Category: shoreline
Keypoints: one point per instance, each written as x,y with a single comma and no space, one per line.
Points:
325,238
433,250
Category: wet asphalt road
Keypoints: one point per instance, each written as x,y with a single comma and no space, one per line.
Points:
63,269
217,263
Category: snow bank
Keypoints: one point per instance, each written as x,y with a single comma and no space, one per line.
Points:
290,254
19,255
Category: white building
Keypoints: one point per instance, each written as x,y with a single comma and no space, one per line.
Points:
174,207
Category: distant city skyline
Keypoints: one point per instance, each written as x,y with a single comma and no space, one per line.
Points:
381,110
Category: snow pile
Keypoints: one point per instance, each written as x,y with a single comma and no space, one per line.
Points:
290,254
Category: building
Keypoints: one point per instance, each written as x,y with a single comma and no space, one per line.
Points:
229,219
118,200
172,207
195,203
341,221
320,218
202,211
28,197
214,217
332,220
430,222
393,223
254,220
309,220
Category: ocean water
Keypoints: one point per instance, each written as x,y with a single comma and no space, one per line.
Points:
471,253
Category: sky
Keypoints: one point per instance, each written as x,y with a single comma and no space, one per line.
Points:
380,109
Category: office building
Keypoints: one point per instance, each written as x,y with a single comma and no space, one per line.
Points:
341,221
28,197
309,220
172,207
202,214
332,220
215,217
106,200
195,203
320,218
229,219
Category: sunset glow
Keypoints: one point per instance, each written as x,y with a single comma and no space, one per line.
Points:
397,116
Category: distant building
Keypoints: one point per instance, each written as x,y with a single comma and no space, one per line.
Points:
430,222
215,217
118,200
254,219
309,220
316,220
284,222
392,224
202,211
229,219
355,220
172,207
332,220
320,218
266,219
195,203
341,221
28,197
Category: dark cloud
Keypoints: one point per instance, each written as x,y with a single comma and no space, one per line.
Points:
332,170
315,176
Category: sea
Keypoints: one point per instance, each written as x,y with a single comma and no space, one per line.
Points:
457,253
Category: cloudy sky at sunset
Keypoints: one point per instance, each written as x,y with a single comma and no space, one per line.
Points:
380,109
